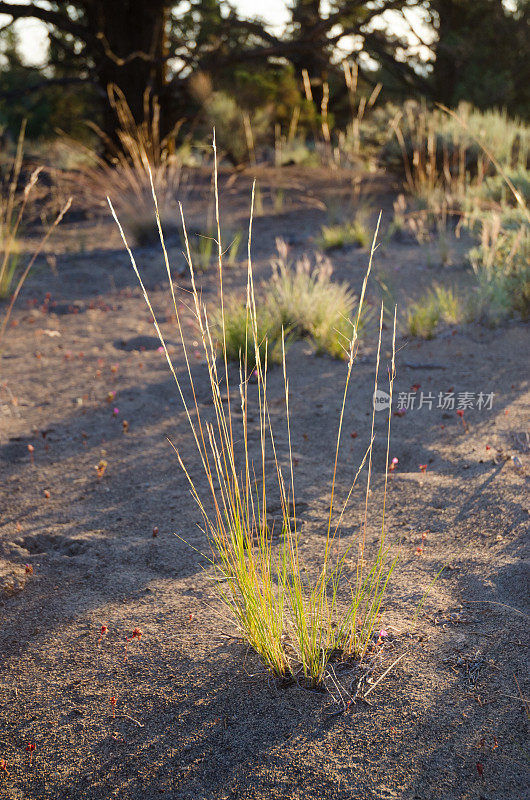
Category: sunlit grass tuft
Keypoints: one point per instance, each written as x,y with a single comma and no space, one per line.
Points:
438,305
141,155
299,299
342,235
13,203
295,620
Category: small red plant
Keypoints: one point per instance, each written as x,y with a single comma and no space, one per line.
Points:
103,632
419,549
136,634
460,412
3,767
113,702
30,748
423,468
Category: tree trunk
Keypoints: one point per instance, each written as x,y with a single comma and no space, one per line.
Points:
313,54
132,41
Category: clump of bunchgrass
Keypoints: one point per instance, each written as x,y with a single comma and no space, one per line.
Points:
333,237
12,206
238,342
25,272
471,166
295,620
311,304
501,263
201,247
140,152
438,305
299,299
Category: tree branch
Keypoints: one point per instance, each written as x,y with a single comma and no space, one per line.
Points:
61,21
47,83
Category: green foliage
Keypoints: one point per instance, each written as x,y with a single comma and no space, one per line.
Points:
13,203
348,233
438,305
297,151
303,301
501,262
244,341
482,54
201,248
474,166
296,619
55,107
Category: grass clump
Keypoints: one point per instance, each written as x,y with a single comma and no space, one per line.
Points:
501,263
472,166
438,305
13,203
302,301
12,207
141,154
333,237
295,620
239,343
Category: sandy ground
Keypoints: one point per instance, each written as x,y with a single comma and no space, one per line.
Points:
195,716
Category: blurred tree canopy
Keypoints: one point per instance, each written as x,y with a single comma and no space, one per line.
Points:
482,54
446,50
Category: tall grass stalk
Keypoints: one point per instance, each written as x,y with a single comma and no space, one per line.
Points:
25,273
295,621
141,155
12,207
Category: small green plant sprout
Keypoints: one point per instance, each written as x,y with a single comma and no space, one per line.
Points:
278,199
439,305
258,200
296,618
201,247
233,248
